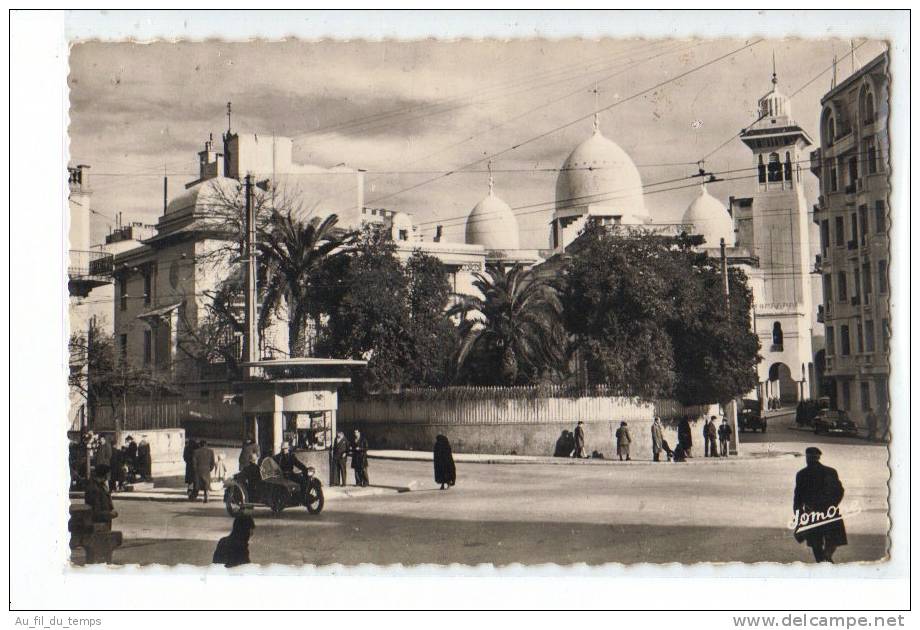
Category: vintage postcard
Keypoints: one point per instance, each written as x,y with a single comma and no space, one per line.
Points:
479,301
427,299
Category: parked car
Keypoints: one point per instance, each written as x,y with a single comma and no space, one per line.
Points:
806,410
750,416
834,422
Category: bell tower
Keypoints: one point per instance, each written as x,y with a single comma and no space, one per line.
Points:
780,240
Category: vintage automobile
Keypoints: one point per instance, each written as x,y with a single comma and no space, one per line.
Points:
750,416
806,410
834,422
272,489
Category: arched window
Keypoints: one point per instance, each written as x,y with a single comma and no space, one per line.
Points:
761,170
778,335
774,168
831,131
788,167
870,107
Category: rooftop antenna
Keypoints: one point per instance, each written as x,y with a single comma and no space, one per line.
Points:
229,110
834,77
852,58
774,67
491,181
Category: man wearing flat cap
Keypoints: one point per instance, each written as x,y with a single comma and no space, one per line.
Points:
818,493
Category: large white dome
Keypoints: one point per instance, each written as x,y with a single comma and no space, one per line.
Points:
493,225
710,220
599,173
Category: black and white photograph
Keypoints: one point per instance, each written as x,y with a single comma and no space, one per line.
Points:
531,301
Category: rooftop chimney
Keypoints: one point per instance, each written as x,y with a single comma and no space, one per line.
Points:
438,233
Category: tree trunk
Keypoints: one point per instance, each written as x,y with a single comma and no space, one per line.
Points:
296,339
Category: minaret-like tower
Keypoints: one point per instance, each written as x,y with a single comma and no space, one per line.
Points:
780,240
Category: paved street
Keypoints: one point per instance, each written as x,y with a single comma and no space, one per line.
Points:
639,512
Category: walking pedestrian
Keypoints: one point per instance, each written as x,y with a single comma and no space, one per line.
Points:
104,455
817,497
246,451
340,459
709,437
144,460
623,441
359,459
445,473
580,451
203,462
187,454
233,550
685,436
117,470
657,439
725,436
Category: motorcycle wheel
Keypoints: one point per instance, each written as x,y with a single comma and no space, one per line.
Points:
314,499
234,501
277,504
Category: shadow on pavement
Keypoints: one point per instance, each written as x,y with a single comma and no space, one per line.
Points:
352,538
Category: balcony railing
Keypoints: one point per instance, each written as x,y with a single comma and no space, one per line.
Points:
86,264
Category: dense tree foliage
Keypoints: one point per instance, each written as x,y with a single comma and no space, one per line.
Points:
647,316
512,335
374,307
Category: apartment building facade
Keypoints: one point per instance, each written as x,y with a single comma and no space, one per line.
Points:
853,216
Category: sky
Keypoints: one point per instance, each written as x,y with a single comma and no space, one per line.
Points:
408,112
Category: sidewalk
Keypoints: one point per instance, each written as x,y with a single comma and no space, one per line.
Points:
147,492
482,458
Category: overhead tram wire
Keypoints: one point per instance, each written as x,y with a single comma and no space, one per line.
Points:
605,196
631,65
565,71
158,173
573,122
761,117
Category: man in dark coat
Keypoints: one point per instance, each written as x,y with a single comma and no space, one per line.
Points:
709,438
97,495
117,470
725,435
131,454
233,550
339,459
287,462
445,473
104,454
580,451
684,436
203,462
815,503
359,459
144,460
187,458
623,442
246,452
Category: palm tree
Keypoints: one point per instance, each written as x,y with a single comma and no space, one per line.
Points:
289,251
514,328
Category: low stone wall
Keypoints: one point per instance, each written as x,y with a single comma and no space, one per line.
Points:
472,429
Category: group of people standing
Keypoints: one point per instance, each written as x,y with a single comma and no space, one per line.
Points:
131,461
715,438
357,450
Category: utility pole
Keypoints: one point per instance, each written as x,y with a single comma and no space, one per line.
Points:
251,341
731,409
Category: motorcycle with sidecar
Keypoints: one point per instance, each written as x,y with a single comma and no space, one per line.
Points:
271,488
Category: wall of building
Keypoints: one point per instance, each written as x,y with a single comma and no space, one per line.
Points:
515,426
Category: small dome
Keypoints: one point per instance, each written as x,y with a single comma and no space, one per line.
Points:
599,173
493,225
204,196
710,220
